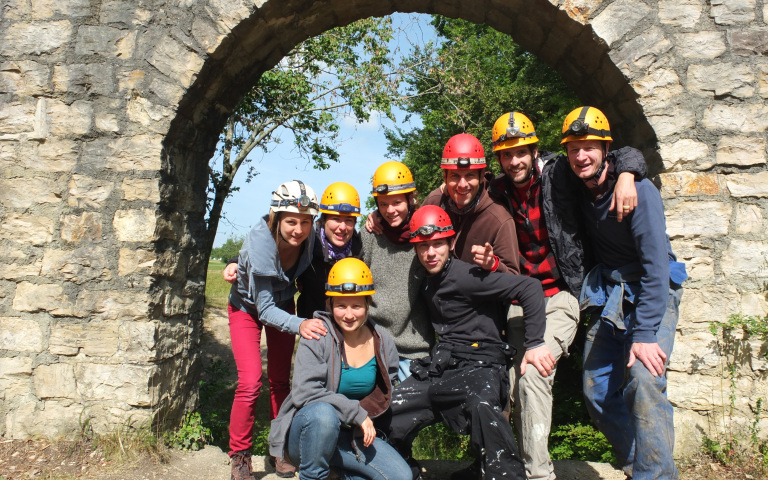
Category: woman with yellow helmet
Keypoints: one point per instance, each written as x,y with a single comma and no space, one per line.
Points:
340,384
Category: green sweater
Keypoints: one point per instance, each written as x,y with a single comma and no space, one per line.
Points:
397,307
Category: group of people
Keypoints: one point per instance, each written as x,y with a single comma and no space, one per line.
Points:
458,310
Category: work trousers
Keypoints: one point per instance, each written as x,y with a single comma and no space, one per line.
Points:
468,397
630,405
532,393
245,331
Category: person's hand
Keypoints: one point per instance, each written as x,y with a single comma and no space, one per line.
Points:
651,355
624,199
312,329
230,272
373,223
369,431
484,256
541,358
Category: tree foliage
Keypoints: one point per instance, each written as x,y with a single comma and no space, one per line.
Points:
228,250
463,83
345,71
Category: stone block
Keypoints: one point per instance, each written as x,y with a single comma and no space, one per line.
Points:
141,189
47,297
66,120
50,419
19,265
580,10
680,13
112,305
128,384
741,151
15,367
704,44
742,118
21,335
123,14
228,13
689,426
44,9
168,93
618,18
88,192
24,78
672,122
762,81
694,219
750,41
749,219
35,38
697,258
695,352
688,184
53,155
135,261
55,381
135,225
709,303
17,116
699,393
130,81
27,192
106,122
721,79
731,12
27,229
85,227
638,55
746,262
754,304
93,339
77,266
140,152
748,184
92,78
153,118
105,41
685,154
208,33
153,341
659,91
171,57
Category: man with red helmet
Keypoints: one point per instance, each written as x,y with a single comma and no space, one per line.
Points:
485,231
464,381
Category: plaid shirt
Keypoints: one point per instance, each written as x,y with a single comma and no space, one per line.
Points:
536,257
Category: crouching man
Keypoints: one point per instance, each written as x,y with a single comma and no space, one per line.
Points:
464,381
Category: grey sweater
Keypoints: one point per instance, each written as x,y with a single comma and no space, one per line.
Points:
316,376
397,306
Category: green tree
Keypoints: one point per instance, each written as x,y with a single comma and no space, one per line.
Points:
229,249
345,71
463,83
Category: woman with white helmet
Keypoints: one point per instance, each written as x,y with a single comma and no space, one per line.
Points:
276,251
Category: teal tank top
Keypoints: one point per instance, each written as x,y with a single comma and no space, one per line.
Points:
358,382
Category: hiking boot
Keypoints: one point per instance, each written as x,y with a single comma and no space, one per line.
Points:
241,466
471,472
283,468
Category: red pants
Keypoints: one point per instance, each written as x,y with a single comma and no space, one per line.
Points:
245,331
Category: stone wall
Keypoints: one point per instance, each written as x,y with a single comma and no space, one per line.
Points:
110,110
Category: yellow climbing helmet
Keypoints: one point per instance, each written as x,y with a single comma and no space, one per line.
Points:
391,178
349,277
512,129
340,198
586,123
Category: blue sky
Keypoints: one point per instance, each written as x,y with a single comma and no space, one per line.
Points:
362,149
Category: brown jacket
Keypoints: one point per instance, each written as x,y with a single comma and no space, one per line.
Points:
488,222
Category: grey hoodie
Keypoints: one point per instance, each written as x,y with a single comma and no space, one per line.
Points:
316,376
263,289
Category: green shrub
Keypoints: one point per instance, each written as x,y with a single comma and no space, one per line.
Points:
580,442
192,435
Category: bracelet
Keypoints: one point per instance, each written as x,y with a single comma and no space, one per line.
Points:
495,263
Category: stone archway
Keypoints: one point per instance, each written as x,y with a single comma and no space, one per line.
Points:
109,112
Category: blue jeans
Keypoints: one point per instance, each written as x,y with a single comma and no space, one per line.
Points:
317,441
630,406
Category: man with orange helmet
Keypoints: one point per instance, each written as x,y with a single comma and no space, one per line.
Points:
464,381
551,251
633,295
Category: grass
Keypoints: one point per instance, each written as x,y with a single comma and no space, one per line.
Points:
216,288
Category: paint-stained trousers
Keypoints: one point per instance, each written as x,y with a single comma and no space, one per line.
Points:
468,397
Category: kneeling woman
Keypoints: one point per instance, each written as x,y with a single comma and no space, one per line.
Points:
340,383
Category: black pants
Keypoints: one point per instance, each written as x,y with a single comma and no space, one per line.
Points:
468,397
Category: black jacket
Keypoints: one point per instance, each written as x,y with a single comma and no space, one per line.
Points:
562,216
